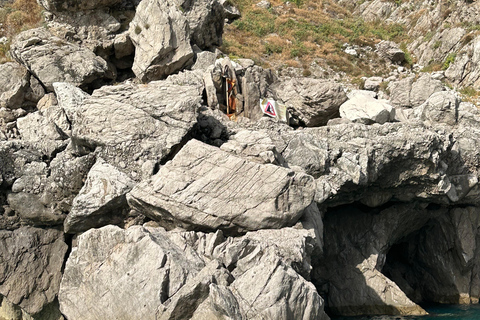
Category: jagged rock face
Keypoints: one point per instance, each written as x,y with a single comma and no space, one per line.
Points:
42,194
30,276
439,262
52,59
410,93
160,33
356,244
205,20
311,101
14,81
374,163
135,127
149,273
189,191
439,31
101,200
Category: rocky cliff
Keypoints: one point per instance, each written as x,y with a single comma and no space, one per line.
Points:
127,192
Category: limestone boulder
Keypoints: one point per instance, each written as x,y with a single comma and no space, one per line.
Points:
205,19
135,127
373,83
42,194
14,83
30,276
364,109
101,200
204,188
313,102
390,50
441,107
160,33
410,93
378,163
51,59
185,275
42,134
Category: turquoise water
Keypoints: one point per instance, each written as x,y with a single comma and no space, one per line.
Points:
437,312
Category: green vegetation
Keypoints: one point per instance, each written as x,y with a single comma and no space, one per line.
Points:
448,61
305,31
16,17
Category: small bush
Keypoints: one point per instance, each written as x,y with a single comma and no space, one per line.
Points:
448,61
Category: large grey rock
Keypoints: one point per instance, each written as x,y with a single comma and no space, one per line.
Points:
410,93
69,98
129,272
42,194
94,29
52,59
206,188
205,19
393,161
41,133
364,109
14,82
390,50
255,84
184,275
441,107
31,267
135,127
160,34
311,101
101,200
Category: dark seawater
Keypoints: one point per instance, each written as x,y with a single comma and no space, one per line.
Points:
436,312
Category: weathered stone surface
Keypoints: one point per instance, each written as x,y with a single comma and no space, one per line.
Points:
31,268
41,133
312,101
441,107
69,98
14,82
255,84
373,83
205,19
357,161
390,50
160,34
95,30
410,93
130,272
254,145
42,195
184,275
101,200
441,262
52,59
135,127
206,188
364,109
357,252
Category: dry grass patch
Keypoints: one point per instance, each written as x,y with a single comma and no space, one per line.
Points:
16,17
304,31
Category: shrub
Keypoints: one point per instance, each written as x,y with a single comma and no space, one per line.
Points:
448,61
